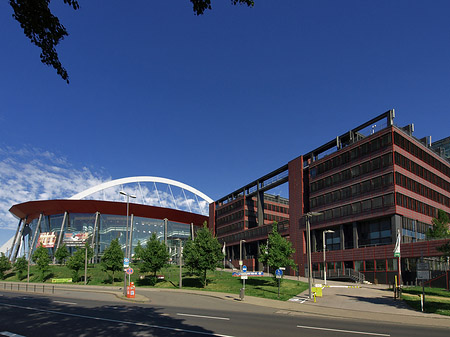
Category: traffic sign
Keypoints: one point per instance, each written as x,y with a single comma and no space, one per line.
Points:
244,268
423,274
126,262
278,273
129,271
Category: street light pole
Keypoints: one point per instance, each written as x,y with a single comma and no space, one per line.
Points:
324,263
308,243
179,257
240,255
126,239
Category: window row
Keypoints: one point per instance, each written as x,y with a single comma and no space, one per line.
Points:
230,228
230,218
276,218
421,154
415,205
356,152
230,207
355,208
374,233
276,208
418,170
353,172
353,190
423,190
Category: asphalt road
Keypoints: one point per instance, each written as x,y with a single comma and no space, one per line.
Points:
176,314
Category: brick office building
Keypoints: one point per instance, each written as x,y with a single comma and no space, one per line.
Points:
365,186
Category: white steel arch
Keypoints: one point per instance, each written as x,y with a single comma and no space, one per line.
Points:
139,179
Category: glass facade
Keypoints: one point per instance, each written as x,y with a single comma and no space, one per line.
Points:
100,229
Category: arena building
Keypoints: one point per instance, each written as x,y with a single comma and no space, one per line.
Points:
78,220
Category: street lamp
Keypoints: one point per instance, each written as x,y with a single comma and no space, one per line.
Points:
240,255
126,240
308,244
324,264
179,262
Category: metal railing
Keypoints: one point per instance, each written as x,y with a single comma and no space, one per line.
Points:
347,273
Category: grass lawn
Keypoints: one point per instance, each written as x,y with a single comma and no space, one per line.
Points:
219,281
437,300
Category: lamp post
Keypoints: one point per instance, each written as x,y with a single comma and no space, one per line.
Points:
308,244
126,239
179,262
240,255
324,263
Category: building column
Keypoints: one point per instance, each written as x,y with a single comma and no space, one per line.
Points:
355,235
313,241
342,237
260,206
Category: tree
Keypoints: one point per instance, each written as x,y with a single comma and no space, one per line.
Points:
45,31
21,267
278,252
440,230
4,265
112,259
42,260
78,260
202,254
153,257
62,254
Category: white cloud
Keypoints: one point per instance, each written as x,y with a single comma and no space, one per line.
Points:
29,174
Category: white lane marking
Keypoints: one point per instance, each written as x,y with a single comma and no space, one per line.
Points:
10,334
117,321
200,316
346,331
62,302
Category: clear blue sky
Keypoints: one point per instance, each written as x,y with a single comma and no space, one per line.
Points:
213,101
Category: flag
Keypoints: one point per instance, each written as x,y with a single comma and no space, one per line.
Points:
397,245
223,249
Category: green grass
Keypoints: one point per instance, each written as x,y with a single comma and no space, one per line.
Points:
433,305
218,281
428,291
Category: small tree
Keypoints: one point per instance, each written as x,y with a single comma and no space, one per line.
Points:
5,265
279,251
112,259
440,230
42,260
153,257
202,254
62,254
21,267
75,263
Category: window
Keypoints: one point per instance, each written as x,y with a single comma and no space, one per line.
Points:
370,265
381,265
377,202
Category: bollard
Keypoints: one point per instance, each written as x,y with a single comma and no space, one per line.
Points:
314,295
242,294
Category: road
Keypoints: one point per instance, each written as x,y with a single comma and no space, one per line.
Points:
176,314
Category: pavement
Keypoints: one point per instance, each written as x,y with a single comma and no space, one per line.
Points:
339,300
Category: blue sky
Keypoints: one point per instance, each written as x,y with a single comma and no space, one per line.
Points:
213,101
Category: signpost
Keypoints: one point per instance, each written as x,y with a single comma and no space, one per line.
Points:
278,274
423,274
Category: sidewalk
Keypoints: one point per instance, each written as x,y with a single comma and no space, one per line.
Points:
366,302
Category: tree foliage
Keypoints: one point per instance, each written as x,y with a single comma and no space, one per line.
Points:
5,265
278,252
112,259
153,256
62,254
78,259
202,254
45,31
42,260
20,267
440,230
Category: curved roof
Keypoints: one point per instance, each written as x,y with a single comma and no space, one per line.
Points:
32,209
138,179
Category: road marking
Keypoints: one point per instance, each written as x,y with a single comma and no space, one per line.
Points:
62,302
117,321
346,331
10,334
200,316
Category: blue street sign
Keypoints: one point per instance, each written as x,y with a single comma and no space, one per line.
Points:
244,268
278,272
